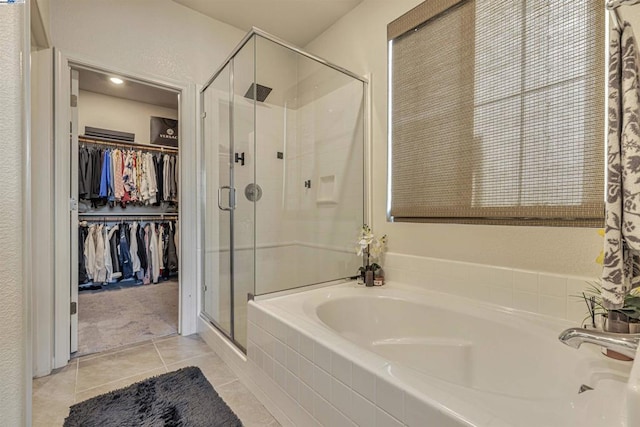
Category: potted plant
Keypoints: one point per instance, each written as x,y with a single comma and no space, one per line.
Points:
621,320
370,248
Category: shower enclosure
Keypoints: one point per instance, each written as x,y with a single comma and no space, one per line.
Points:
283,162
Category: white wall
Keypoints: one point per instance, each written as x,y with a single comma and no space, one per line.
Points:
160,40
13,353
158,37
124,115
358,43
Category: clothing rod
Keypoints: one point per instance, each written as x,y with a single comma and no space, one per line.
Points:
139,214
145,147
127,219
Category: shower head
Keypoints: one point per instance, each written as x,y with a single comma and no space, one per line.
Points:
261,92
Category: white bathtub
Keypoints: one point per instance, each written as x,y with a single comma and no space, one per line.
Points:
413,357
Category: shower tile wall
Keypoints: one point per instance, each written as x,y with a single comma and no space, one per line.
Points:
305,235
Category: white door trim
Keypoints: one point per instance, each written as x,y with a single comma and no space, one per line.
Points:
188,225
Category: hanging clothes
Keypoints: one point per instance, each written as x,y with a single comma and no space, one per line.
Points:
100,270
173,181
108,264
172,252
96,159
85,171
123,252
90,253
142,253
83,277
133,247
154,253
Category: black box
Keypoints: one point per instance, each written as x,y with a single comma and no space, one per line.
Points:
164,131
109,135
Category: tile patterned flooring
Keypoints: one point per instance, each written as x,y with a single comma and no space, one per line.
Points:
99,373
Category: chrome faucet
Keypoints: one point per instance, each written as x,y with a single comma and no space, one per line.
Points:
626,344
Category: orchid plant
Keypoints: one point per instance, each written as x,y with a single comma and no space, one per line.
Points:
371,247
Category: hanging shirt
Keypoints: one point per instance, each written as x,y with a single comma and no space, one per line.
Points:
105,179
151,176
114,243
147,246
172,253
90,253
173,182
108,264
85,172
133,247
100,270
155,253
129,175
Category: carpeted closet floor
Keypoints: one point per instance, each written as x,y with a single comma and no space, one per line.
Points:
114,318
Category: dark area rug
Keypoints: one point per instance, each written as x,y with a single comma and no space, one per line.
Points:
182,398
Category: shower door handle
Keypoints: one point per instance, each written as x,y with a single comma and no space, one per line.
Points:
232,198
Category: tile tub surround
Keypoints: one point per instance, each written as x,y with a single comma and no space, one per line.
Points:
317,376
536,292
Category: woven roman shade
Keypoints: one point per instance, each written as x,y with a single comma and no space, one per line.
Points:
497,112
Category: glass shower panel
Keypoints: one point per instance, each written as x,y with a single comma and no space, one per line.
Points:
216,301
243,177
310,165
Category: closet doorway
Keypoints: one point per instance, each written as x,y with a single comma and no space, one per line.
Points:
56,308
126,186
125,210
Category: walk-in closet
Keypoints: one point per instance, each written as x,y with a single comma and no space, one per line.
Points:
125,230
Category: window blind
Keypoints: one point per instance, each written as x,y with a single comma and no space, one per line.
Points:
497,112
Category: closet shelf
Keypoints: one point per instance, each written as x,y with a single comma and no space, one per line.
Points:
121,144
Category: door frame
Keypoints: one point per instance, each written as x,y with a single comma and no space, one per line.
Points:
188,217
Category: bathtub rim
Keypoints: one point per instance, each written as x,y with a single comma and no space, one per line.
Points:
461,409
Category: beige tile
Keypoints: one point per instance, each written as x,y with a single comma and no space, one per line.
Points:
53,395
111,367
214,369
115,385
180,348
113,350
245,405
49,417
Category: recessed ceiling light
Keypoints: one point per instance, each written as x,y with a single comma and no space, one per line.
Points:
116,80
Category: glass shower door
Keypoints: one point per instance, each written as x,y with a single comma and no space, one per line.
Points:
218,202
229,211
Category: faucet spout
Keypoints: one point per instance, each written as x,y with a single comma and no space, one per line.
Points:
626,344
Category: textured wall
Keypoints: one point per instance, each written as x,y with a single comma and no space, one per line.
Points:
12,344
358,43
109,112
159,37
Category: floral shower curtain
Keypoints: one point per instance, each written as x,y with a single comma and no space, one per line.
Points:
621,268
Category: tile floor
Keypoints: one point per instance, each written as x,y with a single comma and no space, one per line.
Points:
99,373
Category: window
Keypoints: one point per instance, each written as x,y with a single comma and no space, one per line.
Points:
496,113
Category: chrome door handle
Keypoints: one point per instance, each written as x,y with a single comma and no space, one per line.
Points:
232,193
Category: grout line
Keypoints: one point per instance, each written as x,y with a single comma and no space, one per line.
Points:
161,358
75,384
120,379
165,337
108,352
209,352
227,383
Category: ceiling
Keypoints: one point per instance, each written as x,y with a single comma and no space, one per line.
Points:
93,81
296,21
